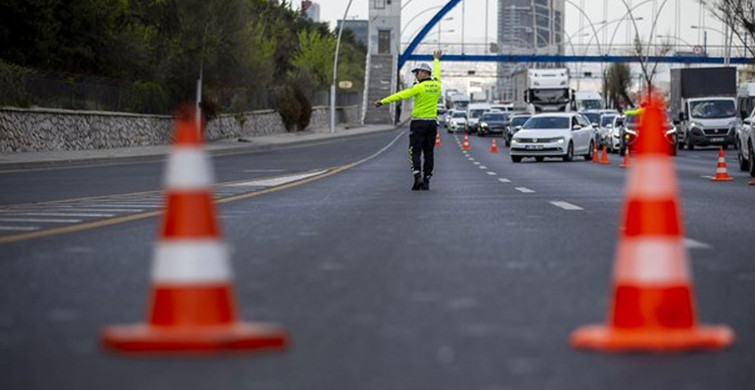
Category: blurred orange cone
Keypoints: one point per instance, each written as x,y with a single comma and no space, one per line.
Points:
493,146
466,142
752,183
437,140
604,157
192,307
595,154
653,306
721,173
626,163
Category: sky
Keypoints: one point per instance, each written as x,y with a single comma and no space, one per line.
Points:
474,28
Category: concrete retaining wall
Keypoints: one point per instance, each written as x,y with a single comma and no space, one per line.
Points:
27,130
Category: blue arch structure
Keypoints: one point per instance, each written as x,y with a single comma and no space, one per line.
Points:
408,54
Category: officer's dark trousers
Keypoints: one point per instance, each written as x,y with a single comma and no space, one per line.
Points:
422,141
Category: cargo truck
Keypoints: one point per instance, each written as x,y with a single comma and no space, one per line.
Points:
703,106
542,90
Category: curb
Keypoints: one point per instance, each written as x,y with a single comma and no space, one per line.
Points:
6,167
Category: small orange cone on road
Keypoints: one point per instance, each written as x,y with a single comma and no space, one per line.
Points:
752,183
721,173
437,140
604,157
595,154
493,146
466,142
653,306
626,163
192,307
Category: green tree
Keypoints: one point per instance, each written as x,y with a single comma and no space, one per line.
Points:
616,82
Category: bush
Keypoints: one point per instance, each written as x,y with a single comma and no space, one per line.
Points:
294,107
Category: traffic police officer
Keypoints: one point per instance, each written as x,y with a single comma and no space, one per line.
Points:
424,125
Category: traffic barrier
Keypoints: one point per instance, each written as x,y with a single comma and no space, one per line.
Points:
493,146
604,157
626,163
437,140
721,173
192,307
466,142
653,306
595,154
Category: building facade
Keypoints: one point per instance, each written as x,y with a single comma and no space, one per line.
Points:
311,9
527,27
360,29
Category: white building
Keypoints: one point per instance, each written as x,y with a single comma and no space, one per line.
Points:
312,10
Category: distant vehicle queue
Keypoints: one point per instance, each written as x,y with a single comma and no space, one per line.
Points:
548,119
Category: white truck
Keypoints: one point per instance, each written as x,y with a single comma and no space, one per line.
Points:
588,100
542,90
745,136
703,106
458,102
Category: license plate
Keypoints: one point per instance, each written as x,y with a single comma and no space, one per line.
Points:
533,147
717,139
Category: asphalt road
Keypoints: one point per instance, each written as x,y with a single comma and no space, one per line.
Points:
475,284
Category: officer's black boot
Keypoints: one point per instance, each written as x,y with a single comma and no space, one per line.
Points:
426,183
418,183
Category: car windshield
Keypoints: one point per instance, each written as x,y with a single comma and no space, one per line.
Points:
710,109
592,117
494,117
476,113
590,105
460,115
606,120
519,120
547,122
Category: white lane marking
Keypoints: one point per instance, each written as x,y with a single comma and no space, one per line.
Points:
694,244
127,206
277,180
707,177
491,173
40,220
504,180
36,214
476,163
566,205
483,167
19,228
524,190
92,210
470,159
263,170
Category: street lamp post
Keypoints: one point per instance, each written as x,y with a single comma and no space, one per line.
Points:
335,73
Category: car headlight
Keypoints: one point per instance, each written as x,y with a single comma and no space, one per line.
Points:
560,140
630,131
514,141
483,124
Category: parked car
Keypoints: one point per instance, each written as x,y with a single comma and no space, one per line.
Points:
513,125
561,135
746,141
457,122
492,122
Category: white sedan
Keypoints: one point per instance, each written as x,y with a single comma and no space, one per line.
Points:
561,135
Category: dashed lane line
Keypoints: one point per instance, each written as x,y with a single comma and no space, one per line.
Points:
34,214
694,244
483,167
491,173
38,220
566,205
504,180
19,228
476,163
524,190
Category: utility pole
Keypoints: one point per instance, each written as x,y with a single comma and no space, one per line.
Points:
335,73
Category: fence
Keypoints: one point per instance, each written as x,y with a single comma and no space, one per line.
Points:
26,88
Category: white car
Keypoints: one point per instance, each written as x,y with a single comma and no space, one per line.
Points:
746,144
561,135
457,121
606,126
613,136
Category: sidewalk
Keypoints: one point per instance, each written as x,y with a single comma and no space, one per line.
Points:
29,160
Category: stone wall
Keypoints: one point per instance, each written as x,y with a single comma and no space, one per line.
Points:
321,117
27,130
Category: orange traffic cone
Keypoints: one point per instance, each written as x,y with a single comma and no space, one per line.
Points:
653,305
604,157
752,183
595,154
493,146
721,173
437,140
192,306
466,142
626,163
